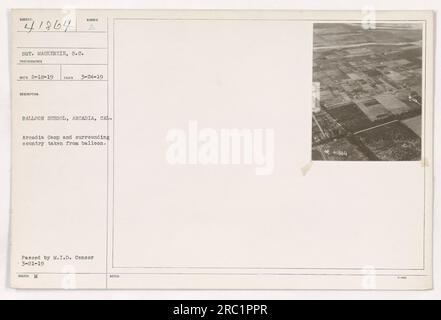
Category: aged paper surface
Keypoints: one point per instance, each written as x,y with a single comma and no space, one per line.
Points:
221,149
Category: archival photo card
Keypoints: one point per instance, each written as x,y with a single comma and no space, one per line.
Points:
172,149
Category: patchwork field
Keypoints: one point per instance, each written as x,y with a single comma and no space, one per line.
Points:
393,141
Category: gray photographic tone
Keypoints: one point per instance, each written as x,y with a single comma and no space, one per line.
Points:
367,89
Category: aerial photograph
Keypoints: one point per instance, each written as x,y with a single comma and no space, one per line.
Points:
367,89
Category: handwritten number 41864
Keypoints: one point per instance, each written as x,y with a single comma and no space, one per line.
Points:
48,25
